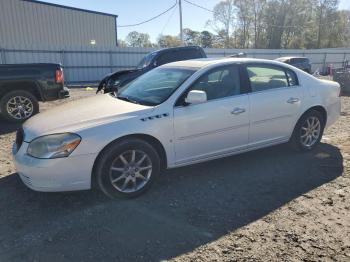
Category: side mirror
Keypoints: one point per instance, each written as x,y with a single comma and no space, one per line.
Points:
155,64
196,97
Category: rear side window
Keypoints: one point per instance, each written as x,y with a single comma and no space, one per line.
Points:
292,78
167,58
189,54
178,55
264,77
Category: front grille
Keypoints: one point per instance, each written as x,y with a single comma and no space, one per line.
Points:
19,138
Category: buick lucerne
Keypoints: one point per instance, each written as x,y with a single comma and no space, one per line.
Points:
174,115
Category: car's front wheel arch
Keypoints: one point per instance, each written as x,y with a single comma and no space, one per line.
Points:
154,142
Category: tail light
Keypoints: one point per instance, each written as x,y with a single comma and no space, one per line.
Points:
59,76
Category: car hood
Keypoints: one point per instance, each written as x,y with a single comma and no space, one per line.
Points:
81,114
115,76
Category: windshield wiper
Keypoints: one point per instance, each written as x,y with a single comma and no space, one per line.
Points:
128,99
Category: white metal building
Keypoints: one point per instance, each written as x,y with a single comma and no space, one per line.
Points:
39,25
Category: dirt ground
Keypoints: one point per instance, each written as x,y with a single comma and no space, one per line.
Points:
269,205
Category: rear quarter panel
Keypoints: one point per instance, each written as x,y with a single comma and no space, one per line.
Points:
323,93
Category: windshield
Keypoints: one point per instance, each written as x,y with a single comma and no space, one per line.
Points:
154,87
146,61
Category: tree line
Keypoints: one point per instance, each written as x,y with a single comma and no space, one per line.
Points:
272,24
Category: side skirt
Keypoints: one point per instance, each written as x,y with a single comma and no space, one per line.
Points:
226,154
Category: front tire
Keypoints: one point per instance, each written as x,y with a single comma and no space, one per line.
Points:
17,106
308,131
127,169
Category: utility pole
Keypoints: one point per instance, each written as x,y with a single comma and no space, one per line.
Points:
180,14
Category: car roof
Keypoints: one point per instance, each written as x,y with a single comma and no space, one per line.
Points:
170,49
204,62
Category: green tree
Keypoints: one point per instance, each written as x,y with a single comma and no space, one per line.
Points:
325,17
258,7
206,39
121,43
136,39
224,20
244,22
168,41
191,37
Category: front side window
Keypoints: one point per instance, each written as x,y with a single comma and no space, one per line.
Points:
155,86
146,61
264,77
219,83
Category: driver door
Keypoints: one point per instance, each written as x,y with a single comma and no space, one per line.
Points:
217,127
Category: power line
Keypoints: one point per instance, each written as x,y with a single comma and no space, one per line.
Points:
199,6
149,20
167,22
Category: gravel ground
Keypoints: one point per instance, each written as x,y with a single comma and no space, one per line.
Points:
269,205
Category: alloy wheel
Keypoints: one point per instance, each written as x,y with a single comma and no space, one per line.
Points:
310,131
130,171
20,107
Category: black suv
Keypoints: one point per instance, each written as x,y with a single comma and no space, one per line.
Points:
157,58
302,63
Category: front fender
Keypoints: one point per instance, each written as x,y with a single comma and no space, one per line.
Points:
96,138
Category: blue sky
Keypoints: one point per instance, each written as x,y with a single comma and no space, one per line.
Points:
133,11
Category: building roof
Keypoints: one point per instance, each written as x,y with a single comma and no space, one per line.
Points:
71,8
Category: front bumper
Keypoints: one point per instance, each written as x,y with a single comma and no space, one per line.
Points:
53,175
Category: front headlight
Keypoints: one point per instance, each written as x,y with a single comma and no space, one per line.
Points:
53,146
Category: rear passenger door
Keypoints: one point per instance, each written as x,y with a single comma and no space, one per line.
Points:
275,103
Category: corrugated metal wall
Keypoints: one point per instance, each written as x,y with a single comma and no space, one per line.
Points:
91,64
25,23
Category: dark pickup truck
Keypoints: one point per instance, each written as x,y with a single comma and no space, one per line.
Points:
23,85
152,60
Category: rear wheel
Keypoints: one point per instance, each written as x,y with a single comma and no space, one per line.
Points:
308,131
18,106
127,169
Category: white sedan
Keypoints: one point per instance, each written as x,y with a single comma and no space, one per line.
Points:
177,114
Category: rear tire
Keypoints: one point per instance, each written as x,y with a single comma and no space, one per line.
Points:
17,106
127,169
308,131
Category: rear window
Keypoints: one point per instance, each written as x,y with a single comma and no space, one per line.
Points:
179,55
299,60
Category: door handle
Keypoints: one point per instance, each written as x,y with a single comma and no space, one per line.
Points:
293,100
237,111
